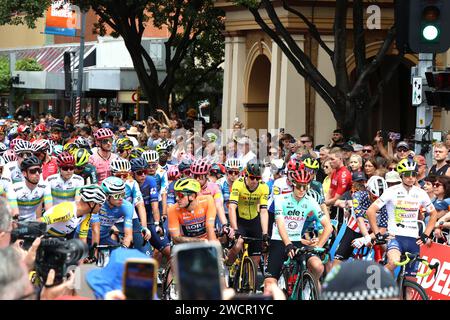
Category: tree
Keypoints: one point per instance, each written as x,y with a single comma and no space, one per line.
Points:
350,102
195,29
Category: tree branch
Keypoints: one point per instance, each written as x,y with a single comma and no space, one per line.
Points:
340,41
359,48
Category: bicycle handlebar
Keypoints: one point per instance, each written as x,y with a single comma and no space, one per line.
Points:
409,257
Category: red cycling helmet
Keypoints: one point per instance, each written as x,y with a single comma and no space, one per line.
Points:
295,165
301,176
103,133
65,159
173,173
200,166
40,128
22,128
218,168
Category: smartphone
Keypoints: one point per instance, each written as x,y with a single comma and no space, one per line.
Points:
139,279
197,271
252,297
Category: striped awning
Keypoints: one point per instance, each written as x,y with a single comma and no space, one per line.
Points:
52,57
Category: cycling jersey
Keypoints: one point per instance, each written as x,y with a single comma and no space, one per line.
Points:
62,219
5,183
149,195
49,168
280,186
89,174
58,190
102,165
161,181
212,189
192,223
294,213
225,188
171,198
341,181
108,216
26,200
133,194
247,201
361,202
403,209
317,186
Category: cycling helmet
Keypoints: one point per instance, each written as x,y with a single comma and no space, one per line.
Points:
29,162
82,142
3,147
233,164
2,162
295,165
185,165
187,185
41,145
70,147
120,165
277,165
65,159
23,146
376,185
92,193
315,195
301,176
103,133
217,169
57,150
253,168
165,145
124,144
200,166
407,165
113,185
23,129
58,125
311,163
81,157
9,156
150,156
173,173
40,128
138,164
136,153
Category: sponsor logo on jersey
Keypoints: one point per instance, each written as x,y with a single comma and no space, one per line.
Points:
292,225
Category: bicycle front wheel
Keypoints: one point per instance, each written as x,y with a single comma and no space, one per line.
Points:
413,291
248,280
307,287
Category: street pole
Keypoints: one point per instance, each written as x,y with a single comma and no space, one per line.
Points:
80,68
424,111
12,69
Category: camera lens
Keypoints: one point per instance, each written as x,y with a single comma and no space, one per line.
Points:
77,250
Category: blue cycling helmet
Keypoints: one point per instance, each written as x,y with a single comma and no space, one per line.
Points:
113,185
138,164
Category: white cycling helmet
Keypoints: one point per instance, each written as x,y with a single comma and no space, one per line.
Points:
120,165
113,185
3,147
92,193
150,156
376,185
2,161
233,164
315,195
23,146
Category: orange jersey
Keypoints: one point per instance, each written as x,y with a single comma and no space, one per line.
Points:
192,223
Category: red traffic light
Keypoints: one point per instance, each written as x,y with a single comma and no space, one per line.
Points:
431,13
438,80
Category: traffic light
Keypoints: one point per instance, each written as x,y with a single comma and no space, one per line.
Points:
423,26
439,93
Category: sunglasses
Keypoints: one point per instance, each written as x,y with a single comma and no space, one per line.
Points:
366,151
409,174
118,196
122,175
181,195
253,177
105,141
68,168
402,150
304,141
141,172
25,155
122,131
233,172
34,171
199,176
301,186
437,184
80,168
186,172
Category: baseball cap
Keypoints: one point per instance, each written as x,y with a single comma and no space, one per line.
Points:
403,144
358,176
347,147
109,278
392,177
352,280
357,147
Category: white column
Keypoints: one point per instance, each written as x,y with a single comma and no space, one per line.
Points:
324,122
227,73
274,91
237,80
291,112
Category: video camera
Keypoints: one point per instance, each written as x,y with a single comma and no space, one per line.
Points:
28,231
59,254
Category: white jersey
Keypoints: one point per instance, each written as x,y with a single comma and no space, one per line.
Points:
5,183
12,172
281,186
26,200
58,190
403,209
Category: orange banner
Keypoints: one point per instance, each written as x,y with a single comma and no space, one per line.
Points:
62,19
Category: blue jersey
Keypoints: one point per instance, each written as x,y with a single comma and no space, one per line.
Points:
171,193
108,216
149,192
225,188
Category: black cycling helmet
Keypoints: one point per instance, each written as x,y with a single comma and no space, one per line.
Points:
138,164
184,165
29,162
254,169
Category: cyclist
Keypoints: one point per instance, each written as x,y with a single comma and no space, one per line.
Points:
114,208
312,166
248,212
403,203
192,218
164,149
41,149
160,175
64,218
101,159
234,169
23,149
40,131
83,168
26,197
173,174
185,167
291,212
357,233
123,147
148,187
4,182
65,185
217,172
121,168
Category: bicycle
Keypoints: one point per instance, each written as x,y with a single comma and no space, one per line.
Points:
168,285
411,290
296,281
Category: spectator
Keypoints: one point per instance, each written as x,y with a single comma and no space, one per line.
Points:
370,167
5,225
403,151
355,163
132,134
368,152
348,151
307,142
422,169
142,136
428,186
358,149
153,139
442,193
248,154
392,178
440,154
337,139
14,282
